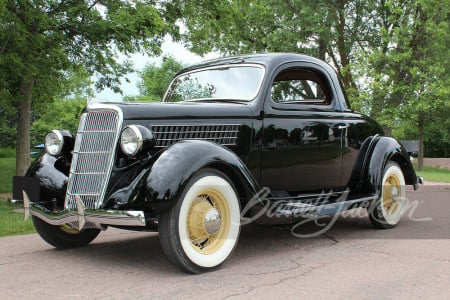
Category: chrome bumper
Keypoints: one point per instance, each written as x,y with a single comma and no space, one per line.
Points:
419,181
83,216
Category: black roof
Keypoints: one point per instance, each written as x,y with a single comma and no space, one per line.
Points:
269,60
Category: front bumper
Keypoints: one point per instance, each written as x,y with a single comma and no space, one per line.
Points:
83,217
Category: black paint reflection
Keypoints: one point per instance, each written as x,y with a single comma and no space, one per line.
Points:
301,154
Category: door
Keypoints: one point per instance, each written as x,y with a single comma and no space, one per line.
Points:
302,138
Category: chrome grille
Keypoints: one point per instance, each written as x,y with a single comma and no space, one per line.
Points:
224,134
93,155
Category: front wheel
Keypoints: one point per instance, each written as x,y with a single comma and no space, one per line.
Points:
201,231
388,209
64,237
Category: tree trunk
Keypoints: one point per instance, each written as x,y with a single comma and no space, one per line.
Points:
322,49
343,50
23,127
421,138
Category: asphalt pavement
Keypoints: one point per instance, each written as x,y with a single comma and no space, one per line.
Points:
350,261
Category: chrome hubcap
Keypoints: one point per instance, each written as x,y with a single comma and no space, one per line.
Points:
212,221
394,194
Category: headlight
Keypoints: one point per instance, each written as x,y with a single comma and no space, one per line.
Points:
131,140
54,142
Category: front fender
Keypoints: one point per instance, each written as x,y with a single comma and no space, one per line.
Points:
52,174
175,166
383,150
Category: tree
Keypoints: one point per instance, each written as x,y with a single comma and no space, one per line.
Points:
330,30
410,79
391,54
63,112
42,39
155,79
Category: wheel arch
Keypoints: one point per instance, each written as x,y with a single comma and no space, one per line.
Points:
242,186
406,167
171,172
376,155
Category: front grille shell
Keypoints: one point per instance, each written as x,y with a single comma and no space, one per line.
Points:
93,155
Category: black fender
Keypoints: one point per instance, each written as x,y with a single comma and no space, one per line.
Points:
52,174
162,184
375,153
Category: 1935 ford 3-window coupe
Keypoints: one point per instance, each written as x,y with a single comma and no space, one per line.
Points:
232,139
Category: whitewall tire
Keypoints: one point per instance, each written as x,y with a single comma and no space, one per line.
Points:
201,231
387,211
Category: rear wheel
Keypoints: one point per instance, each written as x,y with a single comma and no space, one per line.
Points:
201,231
64,237
388,209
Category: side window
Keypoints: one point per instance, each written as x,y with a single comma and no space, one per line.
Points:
300,86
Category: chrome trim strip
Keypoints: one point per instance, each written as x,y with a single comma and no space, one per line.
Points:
82,216
168,134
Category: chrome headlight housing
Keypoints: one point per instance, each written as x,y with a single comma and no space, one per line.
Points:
131,140
54,142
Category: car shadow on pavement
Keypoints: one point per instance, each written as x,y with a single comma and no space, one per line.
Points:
258,243
142,251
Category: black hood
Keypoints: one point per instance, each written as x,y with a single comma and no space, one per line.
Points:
185,110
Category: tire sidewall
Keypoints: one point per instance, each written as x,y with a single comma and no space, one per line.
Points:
199,182
61,239
379,216
394,169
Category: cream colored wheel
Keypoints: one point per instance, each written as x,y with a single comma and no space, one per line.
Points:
202,230
68,229
388,210
208,221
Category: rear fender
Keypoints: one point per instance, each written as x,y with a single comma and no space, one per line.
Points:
379,152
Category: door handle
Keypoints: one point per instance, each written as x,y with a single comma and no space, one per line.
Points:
343,126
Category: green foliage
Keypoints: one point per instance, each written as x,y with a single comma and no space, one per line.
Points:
392,55
155,79
408,69
330,30
61,114
410,83
42,40
437,134
188,89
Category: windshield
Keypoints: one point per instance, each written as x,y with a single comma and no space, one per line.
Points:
228,82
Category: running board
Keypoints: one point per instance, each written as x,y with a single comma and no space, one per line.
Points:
302,209
282,212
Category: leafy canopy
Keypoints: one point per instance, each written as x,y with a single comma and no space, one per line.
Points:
42,40
155,79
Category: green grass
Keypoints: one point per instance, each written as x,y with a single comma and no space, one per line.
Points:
7,152
7,171
11,223
434,174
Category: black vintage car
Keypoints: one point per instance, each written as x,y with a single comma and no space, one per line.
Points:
232,140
